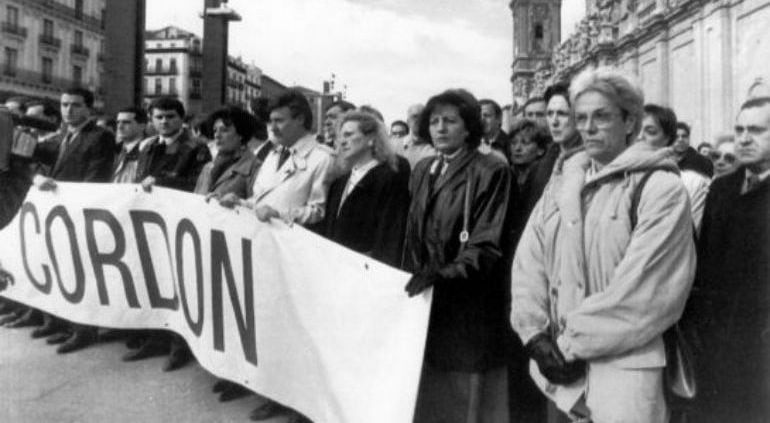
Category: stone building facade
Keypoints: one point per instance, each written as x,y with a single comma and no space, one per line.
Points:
47,46
174,67
703,58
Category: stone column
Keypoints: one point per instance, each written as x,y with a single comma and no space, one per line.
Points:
214,79
661,51
123,77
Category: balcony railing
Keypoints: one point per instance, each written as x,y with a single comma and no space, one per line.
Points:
15,29
28,76
64,11
163,93
80,50
50,41
196,72
195,95
162,71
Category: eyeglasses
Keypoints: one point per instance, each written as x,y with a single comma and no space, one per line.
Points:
602,119
728,157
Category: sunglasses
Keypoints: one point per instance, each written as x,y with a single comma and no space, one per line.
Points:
728,157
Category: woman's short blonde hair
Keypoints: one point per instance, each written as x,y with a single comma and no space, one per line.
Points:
370,125
616,85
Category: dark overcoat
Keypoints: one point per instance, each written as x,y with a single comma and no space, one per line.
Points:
372,218
88,157
174,166
729,307
468,328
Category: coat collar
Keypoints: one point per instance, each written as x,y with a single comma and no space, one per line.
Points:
242,167
455,167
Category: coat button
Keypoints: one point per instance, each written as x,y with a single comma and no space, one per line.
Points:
554,292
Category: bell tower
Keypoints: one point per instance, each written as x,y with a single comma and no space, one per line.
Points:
536,33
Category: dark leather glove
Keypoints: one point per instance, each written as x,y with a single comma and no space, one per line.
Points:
551,362
421,281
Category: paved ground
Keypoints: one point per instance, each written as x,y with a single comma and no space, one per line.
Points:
94,385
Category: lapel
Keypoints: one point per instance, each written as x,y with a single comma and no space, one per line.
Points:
242,167
121,160
336,198
455,171
297,162
159,161
363,186
73,144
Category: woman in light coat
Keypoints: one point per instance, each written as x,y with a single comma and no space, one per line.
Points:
595,280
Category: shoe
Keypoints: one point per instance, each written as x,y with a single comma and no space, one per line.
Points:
179,356
46,330
8,318
269,410
220,386
79,340
233,392
58,338
135,341
7,306
30,318
297,418
110,335
148,349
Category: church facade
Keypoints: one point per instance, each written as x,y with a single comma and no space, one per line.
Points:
703,58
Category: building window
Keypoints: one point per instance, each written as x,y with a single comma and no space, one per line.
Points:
77,74
158,86
172,85
79,38
12,17
47,70
158,65
48,28
11,61
79,9
172,65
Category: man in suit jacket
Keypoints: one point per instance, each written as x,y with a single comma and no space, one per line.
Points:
293,181
131,122
494,139
729,308
173,158
85,154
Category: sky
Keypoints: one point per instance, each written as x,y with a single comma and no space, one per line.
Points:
388,53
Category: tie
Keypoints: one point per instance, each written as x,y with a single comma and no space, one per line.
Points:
65,144
285,153
751,182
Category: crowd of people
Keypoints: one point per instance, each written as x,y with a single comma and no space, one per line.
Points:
561,251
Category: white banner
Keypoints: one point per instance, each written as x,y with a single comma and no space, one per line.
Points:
278,309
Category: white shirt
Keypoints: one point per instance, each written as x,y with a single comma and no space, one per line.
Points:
170,140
